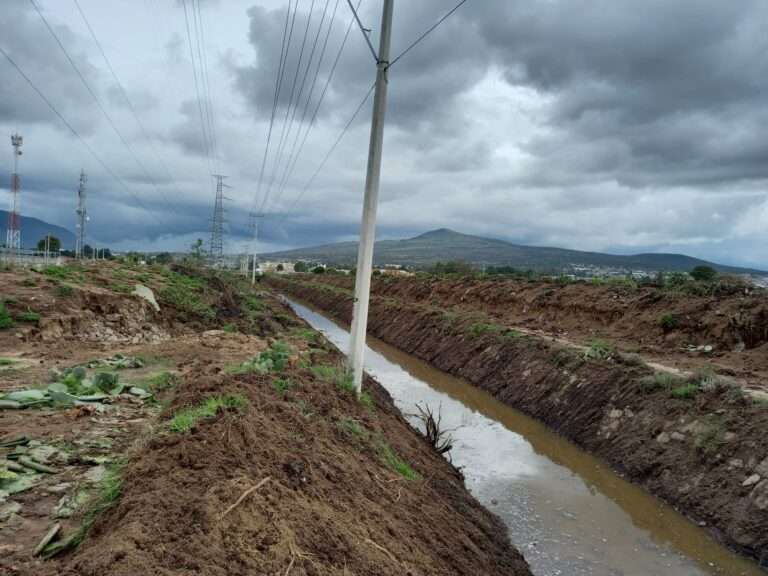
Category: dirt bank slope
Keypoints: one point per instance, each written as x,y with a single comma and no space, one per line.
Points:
236,466
665,325
701,447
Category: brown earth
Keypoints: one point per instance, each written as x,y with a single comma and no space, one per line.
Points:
734,324
707,454
331,504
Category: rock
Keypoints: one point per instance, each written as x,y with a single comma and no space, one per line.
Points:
146,293
96,474
736,463
616,413
759,495
751,481
677,436
762,468
662,438
730,436
8,509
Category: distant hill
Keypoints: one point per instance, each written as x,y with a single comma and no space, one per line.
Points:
443,245
32,230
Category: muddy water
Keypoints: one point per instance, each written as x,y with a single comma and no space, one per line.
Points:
567,512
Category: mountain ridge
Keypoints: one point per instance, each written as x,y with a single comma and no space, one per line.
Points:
444,244
34,229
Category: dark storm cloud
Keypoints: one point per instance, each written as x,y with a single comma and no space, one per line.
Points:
673,93
29,43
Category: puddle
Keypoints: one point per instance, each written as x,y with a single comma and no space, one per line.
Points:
566,511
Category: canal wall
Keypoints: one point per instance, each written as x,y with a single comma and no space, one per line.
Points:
698,443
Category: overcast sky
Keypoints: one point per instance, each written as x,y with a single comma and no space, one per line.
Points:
587,124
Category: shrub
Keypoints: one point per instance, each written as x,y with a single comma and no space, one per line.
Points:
668,322
5,318
686,391
600,350
281,385
704,274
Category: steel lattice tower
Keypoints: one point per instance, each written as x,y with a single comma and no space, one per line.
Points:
82,216
13,235
216,252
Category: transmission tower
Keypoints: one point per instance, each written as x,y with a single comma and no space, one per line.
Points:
216,252
82,216
13,235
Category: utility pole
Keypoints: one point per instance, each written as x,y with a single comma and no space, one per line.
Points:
256,222
216,253
82,216
370,204
13,235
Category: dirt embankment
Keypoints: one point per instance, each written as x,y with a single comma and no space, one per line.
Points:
663,325
701,446
242,466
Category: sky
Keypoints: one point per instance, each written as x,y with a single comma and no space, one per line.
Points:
584,124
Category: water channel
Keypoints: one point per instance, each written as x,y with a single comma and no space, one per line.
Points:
566,511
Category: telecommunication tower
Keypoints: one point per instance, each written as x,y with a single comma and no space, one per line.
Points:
13,235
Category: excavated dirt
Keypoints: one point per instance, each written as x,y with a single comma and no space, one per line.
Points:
734,325
706,455
331,505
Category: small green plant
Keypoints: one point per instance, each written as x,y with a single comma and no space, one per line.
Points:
307,334
160,381
281,385
661,381
29,282
712,436
64,290
5,318
187,294
109,491
600,350
668,322
186,418
336,374
352,428
7,362
686,391
29,316
230,328
366,400
480,328
395,463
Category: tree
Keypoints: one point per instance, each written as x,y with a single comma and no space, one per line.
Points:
53,243
300,266
164,258
318,270
280,267
197,249
704,274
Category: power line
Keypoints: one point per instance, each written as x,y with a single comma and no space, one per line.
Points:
285,46
333,148
364,31
427,32
288,109
331,74
69,126
127,99
202,59
206,145
96,99
309,94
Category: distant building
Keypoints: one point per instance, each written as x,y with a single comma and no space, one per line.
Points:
276,267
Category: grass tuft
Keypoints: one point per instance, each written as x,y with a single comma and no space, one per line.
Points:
395,463
186,418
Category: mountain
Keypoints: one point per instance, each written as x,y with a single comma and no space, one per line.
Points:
444,245
33,230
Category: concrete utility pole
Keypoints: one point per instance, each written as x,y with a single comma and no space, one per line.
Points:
13,234
370,204
82,216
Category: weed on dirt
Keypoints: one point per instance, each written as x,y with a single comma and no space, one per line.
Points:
600,350
186,419
394,462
